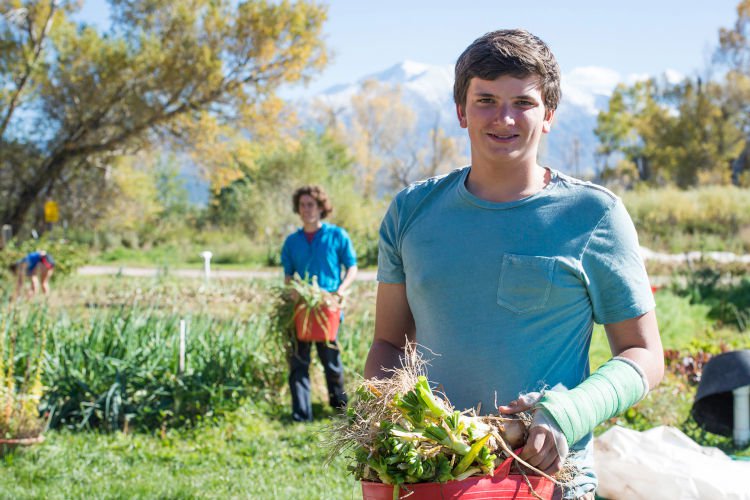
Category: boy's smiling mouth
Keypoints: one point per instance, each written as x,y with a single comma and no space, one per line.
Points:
502,137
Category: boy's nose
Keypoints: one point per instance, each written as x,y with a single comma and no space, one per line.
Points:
504,116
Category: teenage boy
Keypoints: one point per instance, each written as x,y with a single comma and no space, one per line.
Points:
501,269
318,250
37,267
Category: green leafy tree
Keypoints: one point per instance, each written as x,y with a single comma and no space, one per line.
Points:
669,133
72,98
260,201
172,192
734,54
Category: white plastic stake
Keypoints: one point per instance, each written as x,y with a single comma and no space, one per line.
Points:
183,332
207,264
742,416
7,234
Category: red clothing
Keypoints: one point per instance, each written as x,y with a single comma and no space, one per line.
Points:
311,236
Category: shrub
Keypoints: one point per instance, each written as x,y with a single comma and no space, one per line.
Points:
68,256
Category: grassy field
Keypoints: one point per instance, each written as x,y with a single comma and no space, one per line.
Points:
251,449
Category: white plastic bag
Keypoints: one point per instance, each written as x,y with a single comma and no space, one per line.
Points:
664,463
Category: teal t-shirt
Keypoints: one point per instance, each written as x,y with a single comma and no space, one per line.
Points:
506,294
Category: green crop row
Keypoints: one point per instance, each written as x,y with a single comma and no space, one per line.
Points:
120,369
112,350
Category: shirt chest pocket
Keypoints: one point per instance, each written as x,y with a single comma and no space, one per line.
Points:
525,282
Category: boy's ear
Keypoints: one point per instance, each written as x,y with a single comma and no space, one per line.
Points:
549,114
461,116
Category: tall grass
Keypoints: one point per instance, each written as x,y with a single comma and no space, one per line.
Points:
709,218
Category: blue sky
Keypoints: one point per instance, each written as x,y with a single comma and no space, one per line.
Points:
632,37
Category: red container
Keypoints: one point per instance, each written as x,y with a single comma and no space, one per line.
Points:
501,485
317,325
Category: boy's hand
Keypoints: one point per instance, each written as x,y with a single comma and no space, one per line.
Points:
546,446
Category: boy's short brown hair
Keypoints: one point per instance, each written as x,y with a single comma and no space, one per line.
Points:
318,194
514,52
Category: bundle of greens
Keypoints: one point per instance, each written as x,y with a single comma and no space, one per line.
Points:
398,431
300,296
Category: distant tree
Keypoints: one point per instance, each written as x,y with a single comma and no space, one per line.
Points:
259,202
388,149
423,156
734,49
734,54
134,200
667,133
168,72
171,191
381,122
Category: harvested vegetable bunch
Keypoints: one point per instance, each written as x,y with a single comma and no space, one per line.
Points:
400,431
309,295
299,295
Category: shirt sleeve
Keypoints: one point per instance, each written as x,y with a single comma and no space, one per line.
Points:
616,277
347,254
286,258
390,263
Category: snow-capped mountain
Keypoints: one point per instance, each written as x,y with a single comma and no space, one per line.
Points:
428,89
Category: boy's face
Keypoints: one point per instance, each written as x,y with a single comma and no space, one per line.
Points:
309,210
505,118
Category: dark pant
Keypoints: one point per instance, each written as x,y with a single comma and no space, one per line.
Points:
299,377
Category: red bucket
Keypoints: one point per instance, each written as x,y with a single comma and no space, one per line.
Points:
501,485
317,325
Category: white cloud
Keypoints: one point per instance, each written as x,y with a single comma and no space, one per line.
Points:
670,75
595,79
581,86
673,76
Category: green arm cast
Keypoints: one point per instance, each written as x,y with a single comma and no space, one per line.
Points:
616,386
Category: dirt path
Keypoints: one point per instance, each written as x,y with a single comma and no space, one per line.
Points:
195,273
369,275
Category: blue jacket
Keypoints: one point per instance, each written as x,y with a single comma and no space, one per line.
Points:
323,257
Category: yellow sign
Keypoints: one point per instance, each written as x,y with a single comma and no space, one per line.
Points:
51,213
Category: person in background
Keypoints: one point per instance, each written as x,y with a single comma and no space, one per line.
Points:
501,269
37,267
317,250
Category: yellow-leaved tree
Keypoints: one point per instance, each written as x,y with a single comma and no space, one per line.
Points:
187,74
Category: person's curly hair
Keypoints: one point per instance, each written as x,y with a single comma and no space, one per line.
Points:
318,194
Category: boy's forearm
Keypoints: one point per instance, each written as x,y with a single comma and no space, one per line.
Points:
394,327
351,274
651,364
639,341
637,367
612,389
383,356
